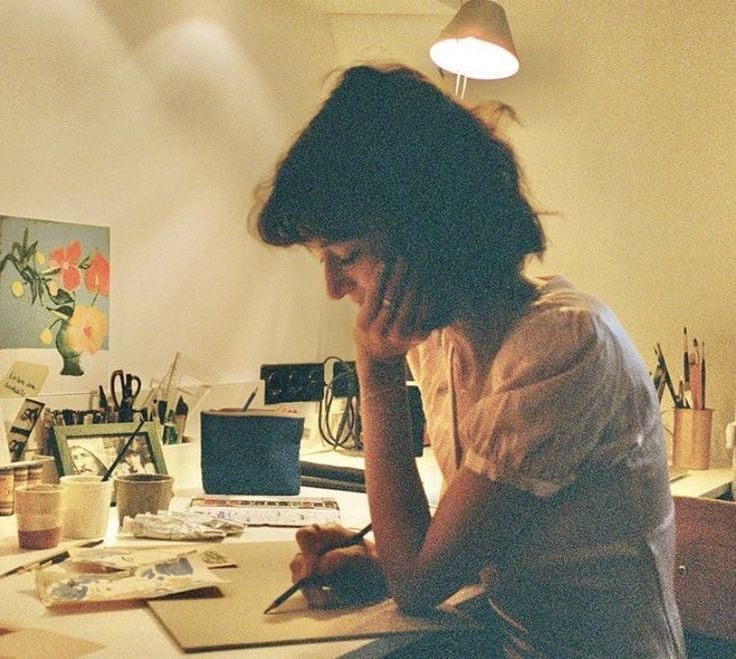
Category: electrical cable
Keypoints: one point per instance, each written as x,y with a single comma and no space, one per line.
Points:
348,429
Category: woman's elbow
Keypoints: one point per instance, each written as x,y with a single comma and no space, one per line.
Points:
416,609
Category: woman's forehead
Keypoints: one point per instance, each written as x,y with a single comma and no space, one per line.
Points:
322,246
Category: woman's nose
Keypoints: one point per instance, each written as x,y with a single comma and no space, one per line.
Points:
338,284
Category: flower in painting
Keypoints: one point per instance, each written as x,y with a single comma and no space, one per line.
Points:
97,275
67,260
53,280
86,330
46,336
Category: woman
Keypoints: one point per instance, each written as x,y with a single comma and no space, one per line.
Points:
539,410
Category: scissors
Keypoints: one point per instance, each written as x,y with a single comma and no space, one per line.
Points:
124,388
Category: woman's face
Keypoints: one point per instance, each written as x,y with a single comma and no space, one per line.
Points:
350,267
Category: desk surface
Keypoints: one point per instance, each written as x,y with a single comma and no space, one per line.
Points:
130,630
710,483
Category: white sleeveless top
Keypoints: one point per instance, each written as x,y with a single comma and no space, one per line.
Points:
566,410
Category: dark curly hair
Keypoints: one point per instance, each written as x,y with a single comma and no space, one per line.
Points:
390,156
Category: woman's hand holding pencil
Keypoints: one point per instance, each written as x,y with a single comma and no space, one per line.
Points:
334,567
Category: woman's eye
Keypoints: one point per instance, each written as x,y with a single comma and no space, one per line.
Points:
348,258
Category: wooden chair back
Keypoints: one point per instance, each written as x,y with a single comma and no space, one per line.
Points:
705,567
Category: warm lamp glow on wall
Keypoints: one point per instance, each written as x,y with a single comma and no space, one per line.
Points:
476,44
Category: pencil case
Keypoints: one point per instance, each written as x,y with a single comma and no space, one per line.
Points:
253,452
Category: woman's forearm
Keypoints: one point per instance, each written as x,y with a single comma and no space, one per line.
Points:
397,501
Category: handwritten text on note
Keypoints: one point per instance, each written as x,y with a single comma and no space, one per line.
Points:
23,380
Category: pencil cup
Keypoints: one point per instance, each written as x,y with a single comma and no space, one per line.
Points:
35,473
49,473
21,476
39,511
87,506
253,452
691,438
142,493
7,485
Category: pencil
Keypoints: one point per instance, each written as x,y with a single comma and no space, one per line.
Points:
352,540
122,452
668,380
59,557
247,403
685,360
702,376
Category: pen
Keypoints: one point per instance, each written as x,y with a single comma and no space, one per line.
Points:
250,400
103,404
702,376
668,380
180,417
685,361
50,560
352,540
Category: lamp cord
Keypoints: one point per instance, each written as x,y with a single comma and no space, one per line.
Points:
460,90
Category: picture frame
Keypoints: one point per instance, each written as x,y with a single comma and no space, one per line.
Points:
21,429
92,448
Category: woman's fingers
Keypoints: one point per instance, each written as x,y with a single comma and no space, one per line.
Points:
320,597
301,566
392,292
342,576
373,302
316,539
391,318
315,542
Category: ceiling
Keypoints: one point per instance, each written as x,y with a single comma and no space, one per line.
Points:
414,7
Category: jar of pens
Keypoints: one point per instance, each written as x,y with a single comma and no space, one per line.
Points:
691,434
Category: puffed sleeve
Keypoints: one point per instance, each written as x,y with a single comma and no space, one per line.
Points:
552,392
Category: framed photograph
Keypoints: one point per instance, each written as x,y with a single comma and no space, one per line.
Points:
22,428
91,449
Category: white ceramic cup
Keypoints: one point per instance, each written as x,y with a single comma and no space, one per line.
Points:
87,506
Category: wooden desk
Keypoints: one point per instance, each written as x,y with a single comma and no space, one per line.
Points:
711,483
708,483
130,630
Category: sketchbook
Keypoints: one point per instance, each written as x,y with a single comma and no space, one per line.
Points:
262,574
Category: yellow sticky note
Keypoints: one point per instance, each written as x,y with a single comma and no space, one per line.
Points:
23,380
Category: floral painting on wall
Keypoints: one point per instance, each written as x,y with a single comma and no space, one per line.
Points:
55,299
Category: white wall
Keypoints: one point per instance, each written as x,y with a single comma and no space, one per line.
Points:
629,134
157,119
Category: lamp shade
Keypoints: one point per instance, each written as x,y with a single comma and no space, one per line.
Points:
477,43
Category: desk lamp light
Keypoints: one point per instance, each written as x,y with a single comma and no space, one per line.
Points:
476,44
